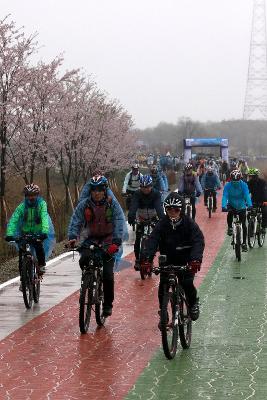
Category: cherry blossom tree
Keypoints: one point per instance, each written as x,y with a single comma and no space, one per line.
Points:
15,52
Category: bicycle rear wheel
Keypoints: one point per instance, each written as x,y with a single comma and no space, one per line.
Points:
86,301
26,282
185,324
251,232
100,320
169,322
188,211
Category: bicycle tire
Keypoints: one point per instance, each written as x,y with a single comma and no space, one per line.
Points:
251,233
238,244
260,234
169,328
36,289
100,319
86,302
26,282
188,211
209,206
143,271
185,324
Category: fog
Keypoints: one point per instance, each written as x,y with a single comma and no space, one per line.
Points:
160,59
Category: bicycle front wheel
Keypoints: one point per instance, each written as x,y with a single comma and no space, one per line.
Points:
260,235
26,282
86,301
185,324
169,322
209,206
100,320
238,243
143,270
251,232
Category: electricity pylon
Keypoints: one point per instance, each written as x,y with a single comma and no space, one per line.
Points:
255,106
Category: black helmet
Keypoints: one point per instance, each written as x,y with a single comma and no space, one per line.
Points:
174,200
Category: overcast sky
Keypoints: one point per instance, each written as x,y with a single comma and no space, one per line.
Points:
162,59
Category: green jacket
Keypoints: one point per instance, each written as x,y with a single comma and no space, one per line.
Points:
27,222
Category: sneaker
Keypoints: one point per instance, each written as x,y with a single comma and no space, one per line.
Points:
194,311
137,265
107,311
229,231
244,247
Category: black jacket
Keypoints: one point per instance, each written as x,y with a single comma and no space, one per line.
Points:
180,245
258,190
150,201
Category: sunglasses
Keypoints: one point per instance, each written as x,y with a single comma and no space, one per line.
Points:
176,209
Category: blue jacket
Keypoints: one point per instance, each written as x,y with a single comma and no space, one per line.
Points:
210,182
237,196
78,220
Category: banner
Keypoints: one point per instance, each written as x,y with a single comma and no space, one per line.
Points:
205,142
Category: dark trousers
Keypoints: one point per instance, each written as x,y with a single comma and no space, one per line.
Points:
40,254
193,202
206,195
108,275
264,216
186,279
242,218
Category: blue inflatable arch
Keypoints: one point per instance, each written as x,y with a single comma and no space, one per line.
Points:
205,142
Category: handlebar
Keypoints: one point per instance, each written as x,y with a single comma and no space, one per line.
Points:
169,268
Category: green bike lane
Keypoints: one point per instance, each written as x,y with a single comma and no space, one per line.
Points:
228,354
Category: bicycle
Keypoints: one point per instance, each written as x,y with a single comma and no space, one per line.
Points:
91,291
128,198
30,275
174,314
147,228
255,230
188,205
237,236
210,205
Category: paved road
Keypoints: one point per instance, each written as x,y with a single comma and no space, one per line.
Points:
47,358
228,355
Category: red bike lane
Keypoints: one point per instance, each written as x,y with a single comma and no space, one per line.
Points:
49,359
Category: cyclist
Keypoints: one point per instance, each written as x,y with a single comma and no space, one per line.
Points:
145,205
225,169
157,179
181,240
31,217
99,219
210,182
243,168
258,190
131,183
236,196
189,185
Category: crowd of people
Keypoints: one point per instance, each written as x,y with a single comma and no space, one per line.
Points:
99,217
